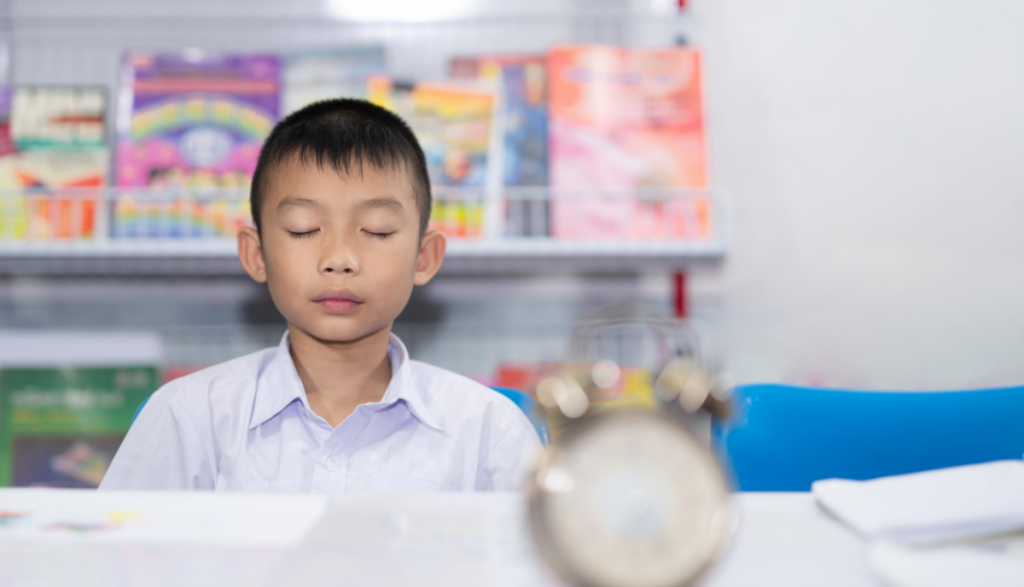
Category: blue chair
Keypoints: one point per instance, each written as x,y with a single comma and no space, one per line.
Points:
139,409
782,438
525,403
529,407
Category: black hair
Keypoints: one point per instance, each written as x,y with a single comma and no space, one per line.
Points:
345,134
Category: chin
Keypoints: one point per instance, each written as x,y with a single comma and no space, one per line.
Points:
340,332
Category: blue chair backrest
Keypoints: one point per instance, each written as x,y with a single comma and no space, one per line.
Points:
525,403
782,438
139,409
529,407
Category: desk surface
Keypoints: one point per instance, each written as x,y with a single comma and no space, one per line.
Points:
786,540
109,539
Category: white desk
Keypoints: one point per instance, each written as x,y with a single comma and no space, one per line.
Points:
221,540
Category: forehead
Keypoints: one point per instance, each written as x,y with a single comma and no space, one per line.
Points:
356,179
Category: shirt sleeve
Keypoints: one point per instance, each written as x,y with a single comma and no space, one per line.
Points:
163,450
511,460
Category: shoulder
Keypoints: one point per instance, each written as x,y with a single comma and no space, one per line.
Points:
457,401
223,387
496,430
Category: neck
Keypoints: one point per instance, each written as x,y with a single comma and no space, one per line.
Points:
339,376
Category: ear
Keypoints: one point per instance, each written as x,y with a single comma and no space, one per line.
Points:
432,248
250,253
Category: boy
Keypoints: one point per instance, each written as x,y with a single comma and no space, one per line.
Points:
340,202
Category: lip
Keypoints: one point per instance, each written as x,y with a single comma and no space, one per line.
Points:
338,301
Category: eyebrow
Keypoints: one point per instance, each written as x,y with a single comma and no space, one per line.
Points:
377,203
298,203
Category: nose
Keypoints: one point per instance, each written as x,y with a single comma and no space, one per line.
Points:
339,256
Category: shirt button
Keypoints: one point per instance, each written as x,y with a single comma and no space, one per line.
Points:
332,464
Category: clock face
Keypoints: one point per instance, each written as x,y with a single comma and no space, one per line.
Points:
630,498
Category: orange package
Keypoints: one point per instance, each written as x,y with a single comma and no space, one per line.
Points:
627,143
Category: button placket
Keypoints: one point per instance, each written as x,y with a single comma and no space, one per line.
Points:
333,458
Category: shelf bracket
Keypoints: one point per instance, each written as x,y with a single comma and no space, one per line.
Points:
679,294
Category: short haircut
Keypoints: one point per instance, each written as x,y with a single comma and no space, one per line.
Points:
345,134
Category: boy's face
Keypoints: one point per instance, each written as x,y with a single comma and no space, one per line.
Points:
340,253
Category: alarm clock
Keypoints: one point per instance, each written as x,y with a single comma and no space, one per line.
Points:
630,496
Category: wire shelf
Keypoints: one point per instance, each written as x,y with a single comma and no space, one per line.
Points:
128,230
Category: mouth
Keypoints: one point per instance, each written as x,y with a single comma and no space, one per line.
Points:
338,302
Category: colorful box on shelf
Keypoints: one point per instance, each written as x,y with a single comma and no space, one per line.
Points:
194,127
195,120
458,213
455,125
60,426
625,121
521,82
44,215
53,151
169,213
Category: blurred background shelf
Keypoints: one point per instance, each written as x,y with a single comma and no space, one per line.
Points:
219,256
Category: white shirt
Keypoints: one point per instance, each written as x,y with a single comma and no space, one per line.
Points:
246,425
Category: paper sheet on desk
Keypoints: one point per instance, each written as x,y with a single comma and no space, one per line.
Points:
931,507
156,539
191,518
478,540
946,567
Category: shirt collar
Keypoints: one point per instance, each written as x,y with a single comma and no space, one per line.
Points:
278,385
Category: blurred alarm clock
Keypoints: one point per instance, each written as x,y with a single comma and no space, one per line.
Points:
630,497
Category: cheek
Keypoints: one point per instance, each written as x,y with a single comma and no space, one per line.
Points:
392,275
284,277
283,290
289,256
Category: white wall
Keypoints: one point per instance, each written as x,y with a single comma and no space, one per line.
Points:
874,153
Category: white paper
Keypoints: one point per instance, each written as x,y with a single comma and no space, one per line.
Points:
957,566
931,507
86,516
85,538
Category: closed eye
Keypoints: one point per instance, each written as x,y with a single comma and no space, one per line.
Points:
304,234
381,235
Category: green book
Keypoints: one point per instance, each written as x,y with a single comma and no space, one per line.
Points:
62,427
